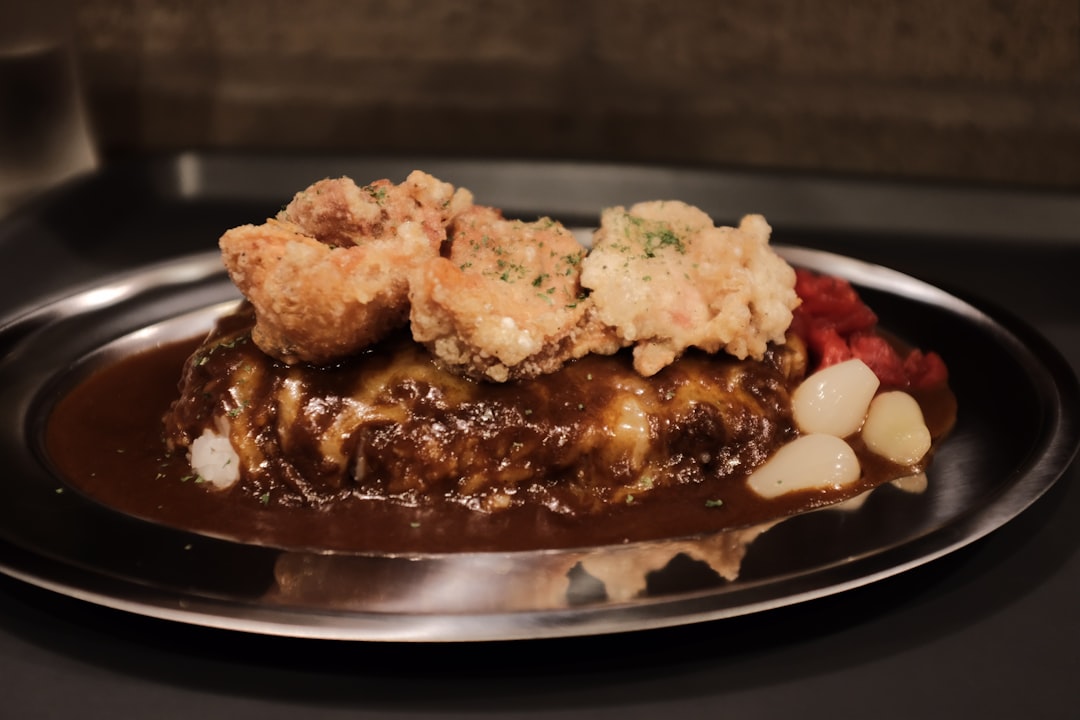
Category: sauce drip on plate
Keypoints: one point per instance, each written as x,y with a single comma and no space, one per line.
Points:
106,437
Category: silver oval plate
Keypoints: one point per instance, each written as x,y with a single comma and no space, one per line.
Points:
1008,448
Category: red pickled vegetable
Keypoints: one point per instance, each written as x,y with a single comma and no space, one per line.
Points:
837,325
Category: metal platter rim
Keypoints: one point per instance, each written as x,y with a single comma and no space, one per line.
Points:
1057,451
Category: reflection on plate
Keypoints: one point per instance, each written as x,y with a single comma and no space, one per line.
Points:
1009,446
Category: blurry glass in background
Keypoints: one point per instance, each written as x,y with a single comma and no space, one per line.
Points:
44,134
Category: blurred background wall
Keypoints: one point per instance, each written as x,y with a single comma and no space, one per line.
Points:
959,90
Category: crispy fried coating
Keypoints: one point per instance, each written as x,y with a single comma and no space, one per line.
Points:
342,265
667,279
506,303
329,275
340,213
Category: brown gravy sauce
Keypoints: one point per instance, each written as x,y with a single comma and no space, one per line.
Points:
105,438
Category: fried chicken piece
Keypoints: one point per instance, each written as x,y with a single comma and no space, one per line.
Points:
506,304
329,275
666,279
340,213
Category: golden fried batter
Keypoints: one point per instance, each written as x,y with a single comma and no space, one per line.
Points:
665,278
340,213
329,275
507,301
342,265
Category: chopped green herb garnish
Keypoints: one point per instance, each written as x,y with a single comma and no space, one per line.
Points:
655,240
378,193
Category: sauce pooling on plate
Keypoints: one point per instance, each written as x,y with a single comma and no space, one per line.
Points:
107,438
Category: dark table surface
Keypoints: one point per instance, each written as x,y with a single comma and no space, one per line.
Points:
991,630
